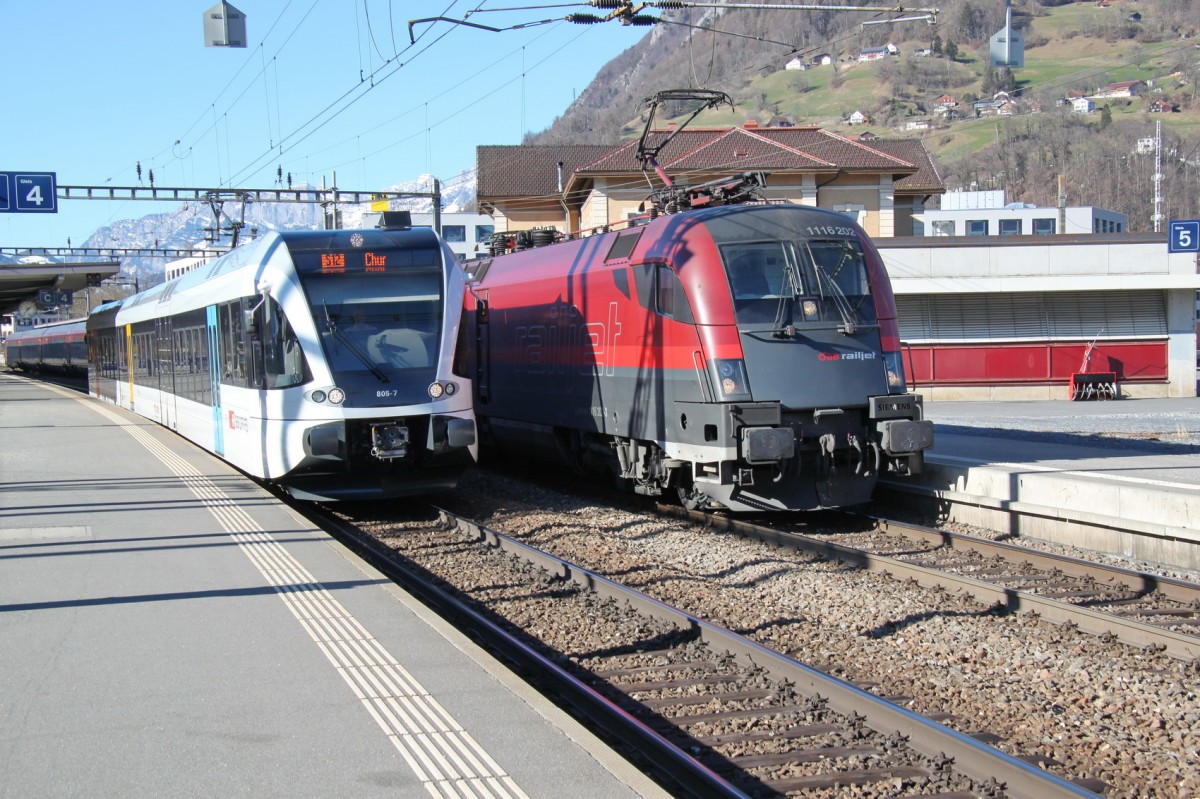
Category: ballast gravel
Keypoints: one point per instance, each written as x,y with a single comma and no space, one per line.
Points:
1091,708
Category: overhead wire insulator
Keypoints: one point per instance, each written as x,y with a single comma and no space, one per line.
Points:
584,19
670,5
613,4
639,19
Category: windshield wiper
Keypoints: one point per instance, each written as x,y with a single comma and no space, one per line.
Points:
331,326
839,298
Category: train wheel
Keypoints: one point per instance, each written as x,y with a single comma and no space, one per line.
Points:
689,496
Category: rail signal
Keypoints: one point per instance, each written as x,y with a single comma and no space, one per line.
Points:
1183,235
28,193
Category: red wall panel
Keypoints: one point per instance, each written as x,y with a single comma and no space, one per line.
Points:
1043,362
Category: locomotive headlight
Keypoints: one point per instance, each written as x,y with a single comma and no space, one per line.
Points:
451,389
810,309
895,372
729,375
337,396
317,396
436,390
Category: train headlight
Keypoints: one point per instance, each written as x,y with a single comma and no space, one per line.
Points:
729,376
337,396
895,373
317,396
810,309
436,390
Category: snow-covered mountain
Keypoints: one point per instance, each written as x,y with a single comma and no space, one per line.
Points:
184,228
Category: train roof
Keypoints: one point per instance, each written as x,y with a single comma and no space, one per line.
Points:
65,327
255,254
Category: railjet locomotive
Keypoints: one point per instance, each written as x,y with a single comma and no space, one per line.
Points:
746,357
320,360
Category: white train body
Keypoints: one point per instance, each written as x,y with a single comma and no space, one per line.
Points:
321,360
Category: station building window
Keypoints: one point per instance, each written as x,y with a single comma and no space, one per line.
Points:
943,227
977,227
454,233
1044,227
1010,227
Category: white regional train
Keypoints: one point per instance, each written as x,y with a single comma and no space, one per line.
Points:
324,361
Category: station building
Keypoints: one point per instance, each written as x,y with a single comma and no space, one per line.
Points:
1001,315
987,213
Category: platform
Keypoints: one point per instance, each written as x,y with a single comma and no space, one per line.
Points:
170,628
1119,477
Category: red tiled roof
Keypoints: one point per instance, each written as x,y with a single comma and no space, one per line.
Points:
513,170
520,171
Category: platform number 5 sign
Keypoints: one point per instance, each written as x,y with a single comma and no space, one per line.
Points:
1183,236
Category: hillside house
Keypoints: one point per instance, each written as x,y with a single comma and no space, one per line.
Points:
821,60
797,65
1125,88
876,53
945,100
584,187
858,118
1161,107
918,124
1082,105
986,108
867,137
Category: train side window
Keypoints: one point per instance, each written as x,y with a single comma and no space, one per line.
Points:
670,298
283,360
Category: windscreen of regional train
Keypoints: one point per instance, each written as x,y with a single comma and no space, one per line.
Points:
782,283
379,315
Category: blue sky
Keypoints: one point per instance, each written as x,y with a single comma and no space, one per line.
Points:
324,86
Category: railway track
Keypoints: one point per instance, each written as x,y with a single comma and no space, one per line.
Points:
1136,608
709,711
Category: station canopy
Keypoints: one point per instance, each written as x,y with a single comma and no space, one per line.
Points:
22,281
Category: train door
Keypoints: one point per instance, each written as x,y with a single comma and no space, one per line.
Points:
214,378
166,370
483,353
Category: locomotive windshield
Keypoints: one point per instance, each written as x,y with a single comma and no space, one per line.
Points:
781,283
381,333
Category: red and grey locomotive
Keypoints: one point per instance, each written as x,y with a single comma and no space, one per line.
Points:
745,356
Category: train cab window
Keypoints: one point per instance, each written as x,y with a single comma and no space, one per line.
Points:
283,360
762,278
381,332
783,283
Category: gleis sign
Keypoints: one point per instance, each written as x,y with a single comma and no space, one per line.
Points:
28,193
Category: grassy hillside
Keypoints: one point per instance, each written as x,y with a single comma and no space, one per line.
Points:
1071,45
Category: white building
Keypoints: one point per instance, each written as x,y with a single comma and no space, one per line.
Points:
985,213
467,234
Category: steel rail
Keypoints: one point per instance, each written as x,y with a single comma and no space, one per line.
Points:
1139,582
1095,622
972,758
690,777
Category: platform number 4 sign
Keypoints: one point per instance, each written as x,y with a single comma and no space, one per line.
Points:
28,193
1184,236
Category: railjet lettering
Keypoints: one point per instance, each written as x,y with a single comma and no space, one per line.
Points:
584,348
847,356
